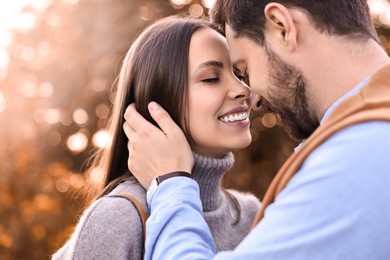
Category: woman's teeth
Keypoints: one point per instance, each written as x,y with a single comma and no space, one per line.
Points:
234,117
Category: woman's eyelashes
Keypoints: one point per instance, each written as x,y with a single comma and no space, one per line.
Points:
216,77
210,80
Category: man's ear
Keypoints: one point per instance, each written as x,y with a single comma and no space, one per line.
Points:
280,23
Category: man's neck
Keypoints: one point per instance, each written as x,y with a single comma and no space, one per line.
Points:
342,68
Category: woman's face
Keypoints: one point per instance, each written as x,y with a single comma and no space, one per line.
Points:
219,103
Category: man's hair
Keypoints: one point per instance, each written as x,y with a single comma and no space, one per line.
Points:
337,17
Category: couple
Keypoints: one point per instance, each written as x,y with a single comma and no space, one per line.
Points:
328,78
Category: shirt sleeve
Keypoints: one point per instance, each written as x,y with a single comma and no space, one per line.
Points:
177,219
335,207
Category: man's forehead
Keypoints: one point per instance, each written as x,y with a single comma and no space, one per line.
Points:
234,49
229,31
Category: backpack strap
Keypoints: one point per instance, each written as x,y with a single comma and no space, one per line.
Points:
372,103
141,213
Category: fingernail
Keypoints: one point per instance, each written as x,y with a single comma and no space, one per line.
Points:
153,106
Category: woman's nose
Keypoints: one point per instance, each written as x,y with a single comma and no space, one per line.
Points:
240,91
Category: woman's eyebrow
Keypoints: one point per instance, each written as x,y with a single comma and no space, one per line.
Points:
210,63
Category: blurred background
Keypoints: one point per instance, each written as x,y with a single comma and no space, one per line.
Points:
58,59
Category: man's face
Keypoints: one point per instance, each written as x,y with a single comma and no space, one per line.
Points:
281,85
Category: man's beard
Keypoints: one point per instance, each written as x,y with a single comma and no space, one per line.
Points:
287,96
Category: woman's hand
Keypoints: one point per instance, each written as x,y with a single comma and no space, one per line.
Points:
154,152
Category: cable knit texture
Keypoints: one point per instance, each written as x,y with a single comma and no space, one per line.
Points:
111,229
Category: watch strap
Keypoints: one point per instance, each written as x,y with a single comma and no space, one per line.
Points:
167,176
155,182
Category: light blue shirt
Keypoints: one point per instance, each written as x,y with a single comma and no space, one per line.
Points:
337,206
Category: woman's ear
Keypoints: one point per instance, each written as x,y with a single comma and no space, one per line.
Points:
280,25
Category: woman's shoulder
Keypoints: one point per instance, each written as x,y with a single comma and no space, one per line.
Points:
110,219
129,187
116,206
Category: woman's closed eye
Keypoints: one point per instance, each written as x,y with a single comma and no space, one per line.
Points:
210,80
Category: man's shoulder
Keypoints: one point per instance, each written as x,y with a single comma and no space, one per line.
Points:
369,139
354,161
348,173
354,156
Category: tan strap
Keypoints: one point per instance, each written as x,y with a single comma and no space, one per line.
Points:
372,103
141,213
140,209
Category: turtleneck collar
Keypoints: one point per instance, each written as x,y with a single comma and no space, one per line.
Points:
208,172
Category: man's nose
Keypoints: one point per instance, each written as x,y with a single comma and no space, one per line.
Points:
256,102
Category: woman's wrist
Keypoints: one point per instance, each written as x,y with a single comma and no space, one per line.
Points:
157,181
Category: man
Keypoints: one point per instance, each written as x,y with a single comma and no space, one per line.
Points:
315,63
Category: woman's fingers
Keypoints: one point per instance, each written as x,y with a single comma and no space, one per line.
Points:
152,151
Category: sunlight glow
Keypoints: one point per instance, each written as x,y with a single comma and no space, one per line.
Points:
41,4
269,120
146,13
376,6
77,142
4,59
196,10
179,2
53,116
29,89
80,116
102,110
26,21
76,181
2,102
28,53
380,9
386,17
5,39
70,1
101,138
46,89
13,15
62,185
44,48
208,3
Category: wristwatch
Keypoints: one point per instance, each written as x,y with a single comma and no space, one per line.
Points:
155,182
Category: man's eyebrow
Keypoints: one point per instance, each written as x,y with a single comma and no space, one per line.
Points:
211,63
238,62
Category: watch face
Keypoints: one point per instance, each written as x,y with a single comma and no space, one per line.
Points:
151,189
153,185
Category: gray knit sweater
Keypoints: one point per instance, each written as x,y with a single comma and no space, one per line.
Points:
111,228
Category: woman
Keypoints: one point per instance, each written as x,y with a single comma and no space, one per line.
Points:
184,65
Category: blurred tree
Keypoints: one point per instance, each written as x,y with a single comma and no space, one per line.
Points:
57,84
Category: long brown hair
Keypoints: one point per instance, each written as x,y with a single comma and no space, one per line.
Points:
155,69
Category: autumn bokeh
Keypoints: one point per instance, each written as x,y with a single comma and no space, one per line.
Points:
58,59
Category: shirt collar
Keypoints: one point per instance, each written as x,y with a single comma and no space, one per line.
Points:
352,92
